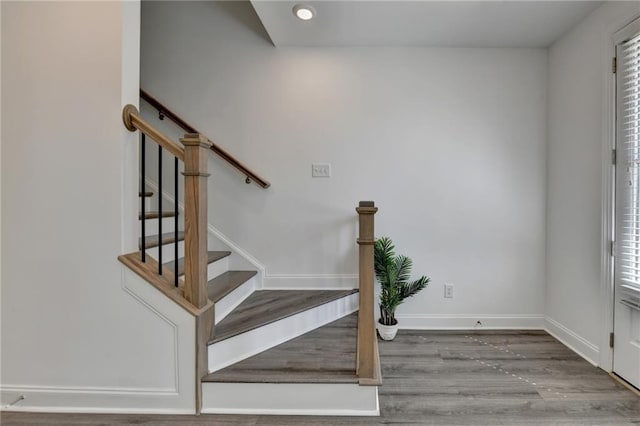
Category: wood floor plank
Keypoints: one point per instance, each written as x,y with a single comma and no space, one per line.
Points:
266,306
437,378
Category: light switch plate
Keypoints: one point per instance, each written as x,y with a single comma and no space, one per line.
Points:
321,170
448,291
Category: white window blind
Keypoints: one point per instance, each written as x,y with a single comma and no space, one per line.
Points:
628,148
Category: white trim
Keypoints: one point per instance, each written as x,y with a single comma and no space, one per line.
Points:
469,322
610,38
310,399
245,345
101,390
96,410
310,281
79,399
573,341
173,325
129,141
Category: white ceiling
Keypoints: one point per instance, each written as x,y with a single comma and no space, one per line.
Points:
422,23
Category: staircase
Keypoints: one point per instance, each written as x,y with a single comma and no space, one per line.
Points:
258,351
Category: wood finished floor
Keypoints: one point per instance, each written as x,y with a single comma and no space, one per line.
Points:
444,378
324,355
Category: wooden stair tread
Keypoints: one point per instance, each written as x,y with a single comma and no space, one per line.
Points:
266,306
324,355
156,214
212,256
224,284
145,194
167,238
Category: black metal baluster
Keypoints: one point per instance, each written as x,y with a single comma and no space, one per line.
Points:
143,197
175,218
160,210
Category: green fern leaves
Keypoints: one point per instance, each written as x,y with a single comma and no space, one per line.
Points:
394,275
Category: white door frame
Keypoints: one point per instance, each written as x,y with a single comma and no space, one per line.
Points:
615,34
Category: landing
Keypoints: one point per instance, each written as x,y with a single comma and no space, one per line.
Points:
324,355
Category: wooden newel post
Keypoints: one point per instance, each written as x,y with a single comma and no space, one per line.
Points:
196,149
366,323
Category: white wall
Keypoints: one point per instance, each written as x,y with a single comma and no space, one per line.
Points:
450,143
78,331
579,66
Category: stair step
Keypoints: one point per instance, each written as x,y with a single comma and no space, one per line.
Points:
266,306
155,215
324,355
212,256
167,238
145,194
224,284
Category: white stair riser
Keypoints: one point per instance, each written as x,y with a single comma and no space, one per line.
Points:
228,303
245,345
321,399
147,204
167,252
213,269
151,225
218,267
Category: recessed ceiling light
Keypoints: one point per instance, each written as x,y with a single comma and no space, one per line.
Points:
304,12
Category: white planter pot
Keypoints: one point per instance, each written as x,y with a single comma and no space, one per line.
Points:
387,332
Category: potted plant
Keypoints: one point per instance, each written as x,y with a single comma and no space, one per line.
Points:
393,273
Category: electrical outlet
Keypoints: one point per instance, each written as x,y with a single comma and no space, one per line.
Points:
321,170
448,291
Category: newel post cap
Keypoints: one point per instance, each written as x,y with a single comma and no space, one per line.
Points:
366,207
196,139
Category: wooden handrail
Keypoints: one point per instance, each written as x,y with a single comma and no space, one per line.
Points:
133,121
166,112
367,363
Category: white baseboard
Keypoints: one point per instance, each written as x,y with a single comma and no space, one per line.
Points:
50,399
310,282
469,322
310,399
245,345
573,341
